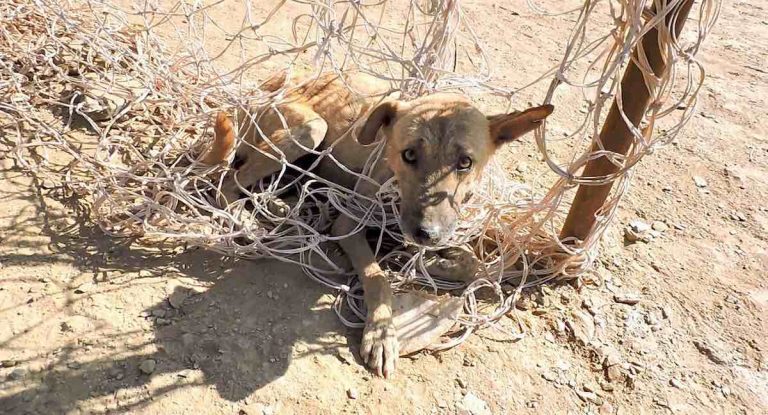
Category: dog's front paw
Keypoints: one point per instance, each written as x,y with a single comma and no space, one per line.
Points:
379,348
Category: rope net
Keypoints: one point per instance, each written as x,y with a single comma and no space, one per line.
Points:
114,102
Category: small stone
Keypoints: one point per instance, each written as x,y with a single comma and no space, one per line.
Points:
17,374
177,297
666,312
441,403
587,396
639,226
630,235
613,373
659,226
559,326
352,393
468,361
147,366
700,181
714,354
521,168
187,339
612,358
740,217
726,391
648,237
629,299
676,383
474,405
162,321
158,312
73,365
9,363
611,365
549,376
582,327
461,382
661,401
345,356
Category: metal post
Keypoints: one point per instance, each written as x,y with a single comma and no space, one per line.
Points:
615,135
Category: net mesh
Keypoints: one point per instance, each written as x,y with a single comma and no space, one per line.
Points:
113,101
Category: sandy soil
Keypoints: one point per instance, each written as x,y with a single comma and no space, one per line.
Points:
92,324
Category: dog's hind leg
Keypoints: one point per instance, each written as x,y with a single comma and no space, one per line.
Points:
272,138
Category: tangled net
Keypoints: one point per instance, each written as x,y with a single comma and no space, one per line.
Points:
115,104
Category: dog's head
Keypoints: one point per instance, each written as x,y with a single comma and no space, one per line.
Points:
437,146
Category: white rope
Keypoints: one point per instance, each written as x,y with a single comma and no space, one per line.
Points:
142,179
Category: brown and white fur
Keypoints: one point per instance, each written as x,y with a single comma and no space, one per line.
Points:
436,147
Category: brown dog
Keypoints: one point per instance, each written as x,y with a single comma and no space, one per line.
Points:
436,147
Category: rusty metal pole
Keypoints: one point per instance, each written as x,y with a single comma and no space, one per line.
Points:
615,135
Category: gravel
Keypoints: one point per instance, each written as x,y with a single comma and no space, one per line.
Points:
148,366
629,299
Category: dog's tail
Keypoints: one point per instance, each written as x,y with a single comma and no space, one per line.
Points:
223,140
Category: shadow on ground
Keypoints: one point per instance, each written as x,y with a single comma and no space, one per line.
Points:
241,332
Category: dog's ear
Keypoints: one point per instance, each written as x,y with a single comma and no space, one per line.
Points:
383,116
509,127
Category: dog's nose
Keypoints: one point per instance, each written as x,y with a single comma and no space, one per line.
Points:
427,235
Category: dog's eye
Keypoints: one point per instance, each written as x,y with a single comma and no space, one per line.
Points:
409,156
465,163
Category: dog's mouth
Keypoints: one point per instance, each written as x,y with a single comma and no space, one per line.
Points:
429,246
410,239
428,237
426,226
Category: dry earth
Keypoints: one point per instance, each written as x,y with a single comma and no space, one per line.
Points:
92,324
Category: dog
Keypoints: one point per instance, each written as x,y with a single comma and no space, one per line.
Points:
436,148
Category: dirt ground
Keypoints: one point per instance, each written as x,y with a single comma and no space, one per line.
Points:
93,324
